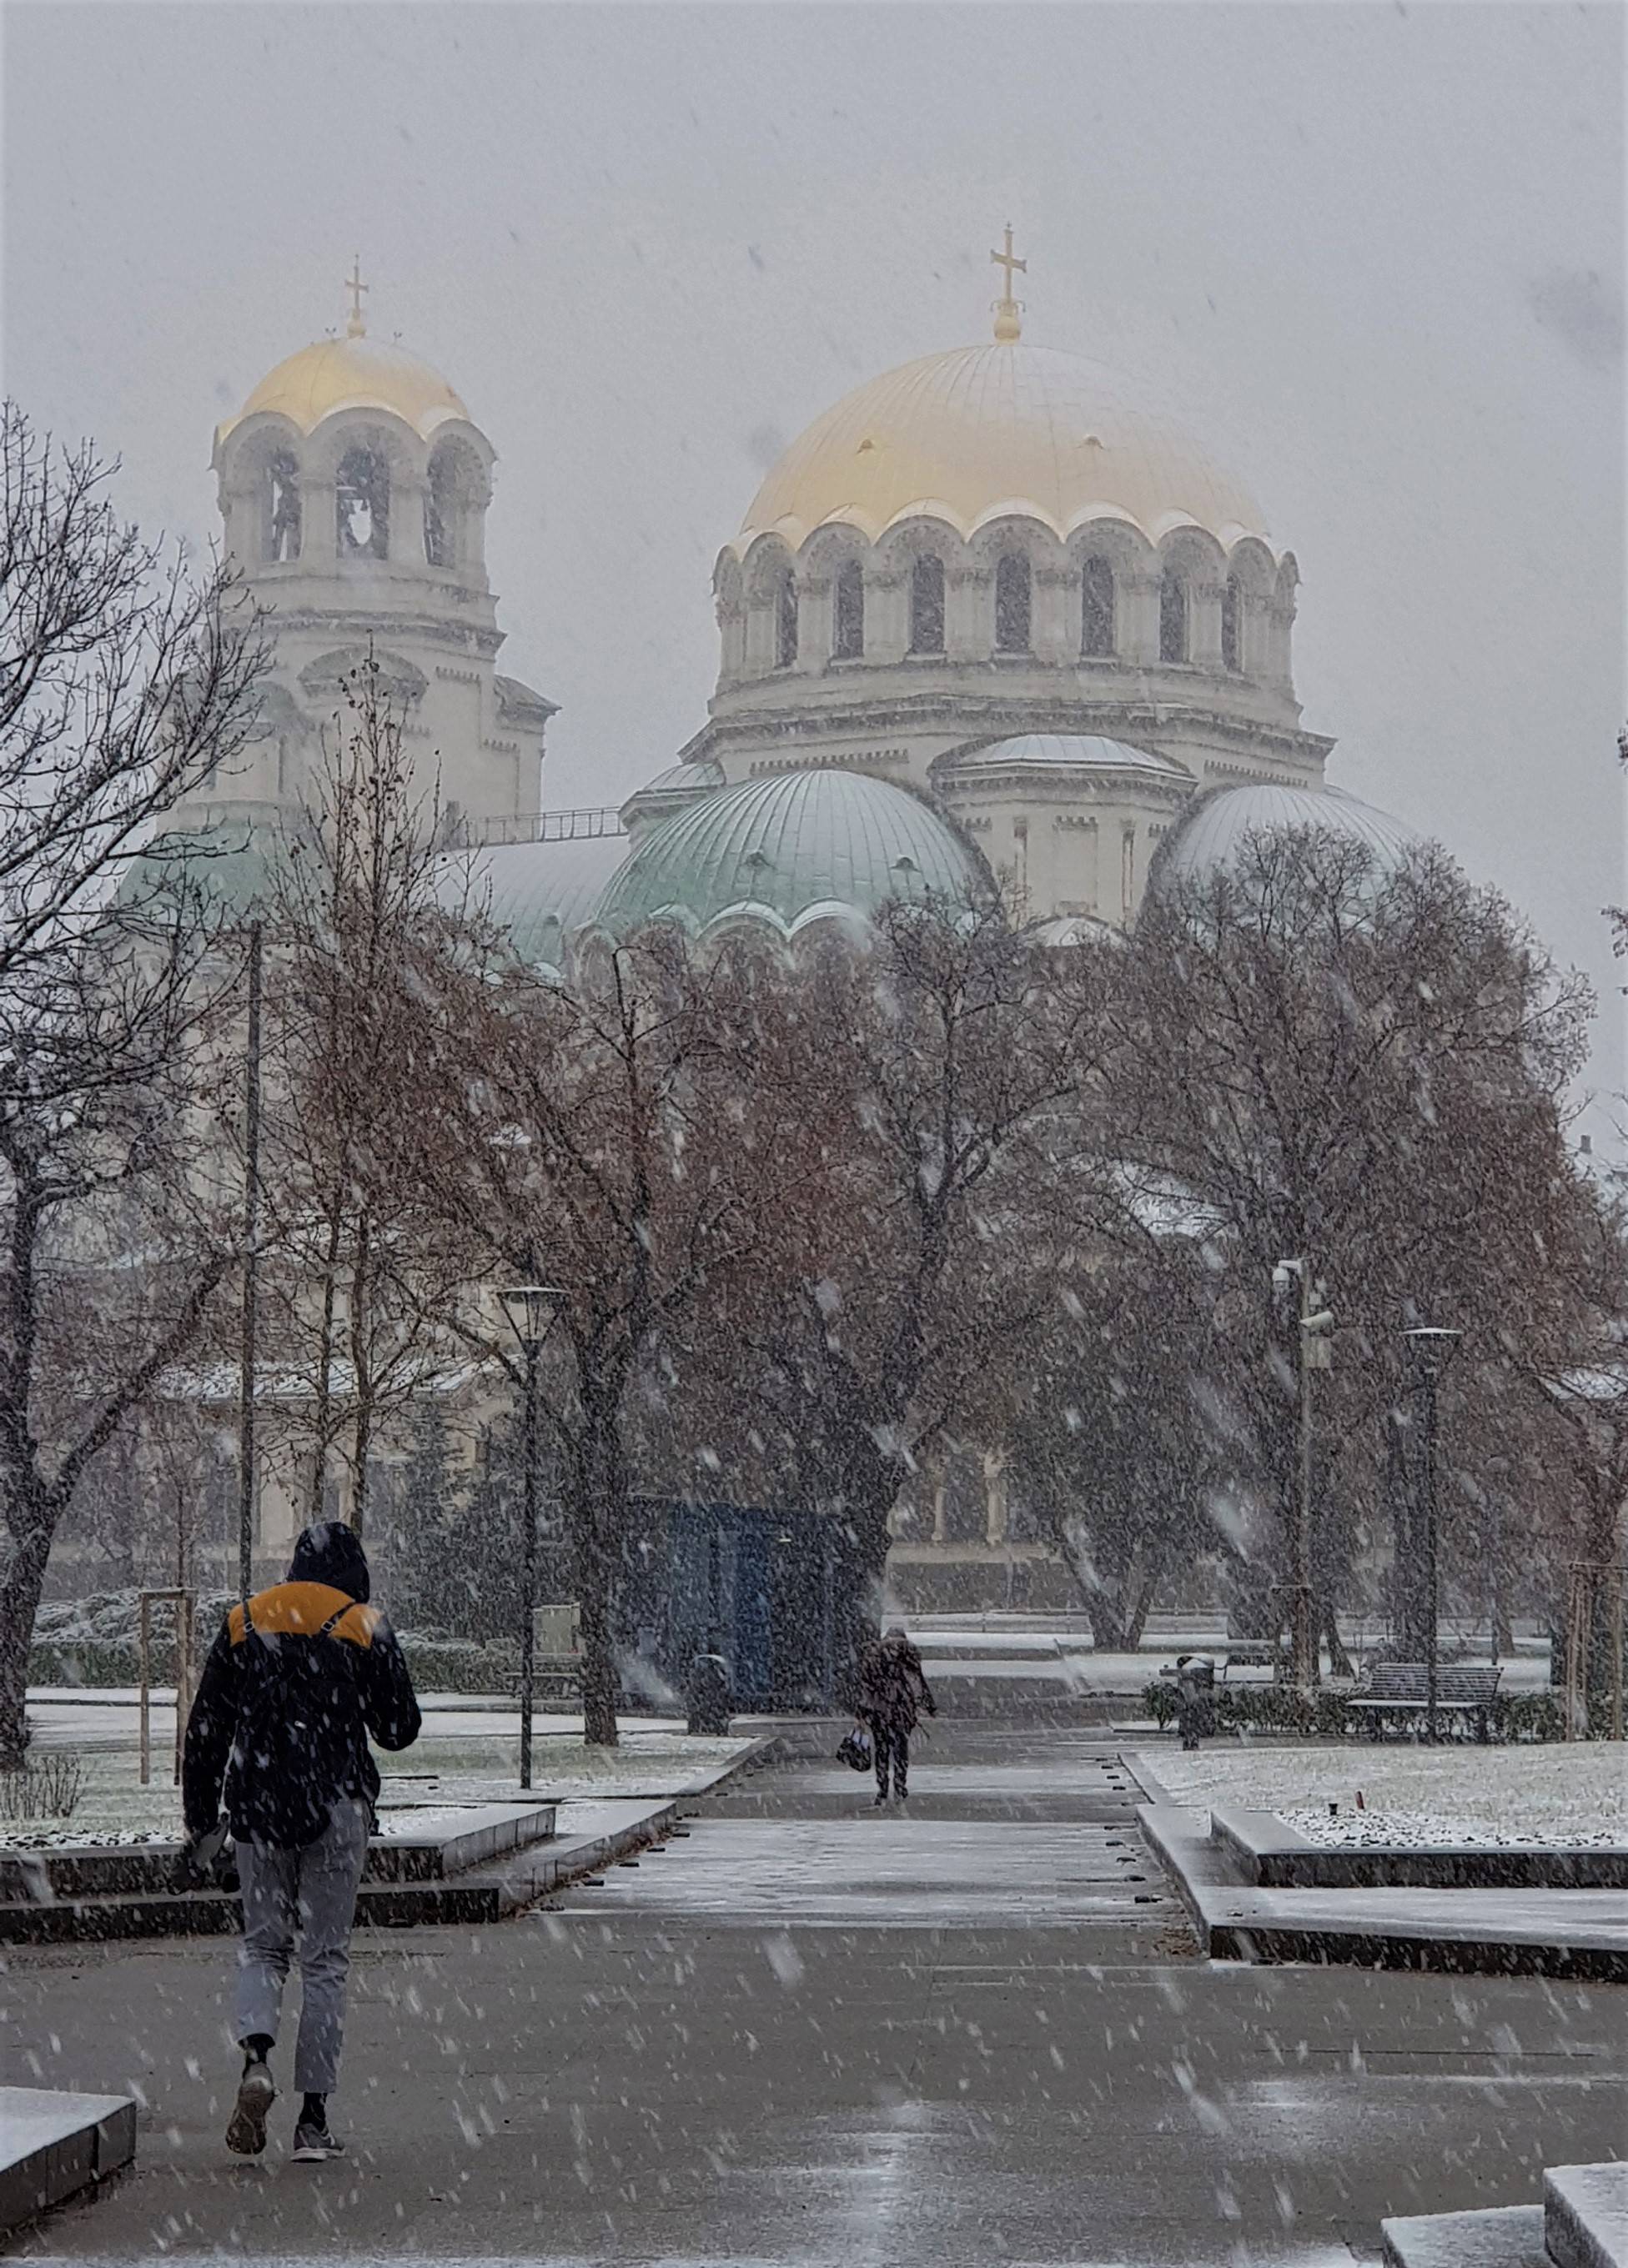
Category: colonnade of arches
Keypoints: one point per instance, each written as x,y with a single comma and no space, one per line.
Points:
1012,592
363,486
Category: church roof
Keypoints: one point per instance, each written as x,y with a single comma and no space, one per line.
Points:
353,373
538,892
1212,832
983,432
1060,752
799,847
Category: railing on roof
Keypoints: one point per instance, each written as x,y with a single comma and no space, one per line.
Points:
587,823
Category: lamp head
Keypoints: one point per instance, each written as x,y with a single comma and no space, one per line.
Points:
531,1309
1432,1347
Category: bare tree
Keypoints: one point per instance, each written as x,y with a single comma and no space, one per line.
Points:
591,1135
357,1296
1365,1068
123,683
939,1078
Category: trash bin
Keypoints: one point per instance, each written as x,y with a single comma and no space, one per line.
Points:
708,1696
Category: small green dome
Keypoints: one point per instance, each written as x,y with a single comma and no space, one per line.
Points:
801,847
231,862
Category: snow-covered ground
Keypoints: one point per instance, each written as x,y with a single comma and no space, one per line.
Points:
440,1770
1548,1794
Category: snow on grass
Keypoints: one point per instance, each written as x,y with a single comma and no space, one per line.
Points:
1569,1793
1435,1831
116,1809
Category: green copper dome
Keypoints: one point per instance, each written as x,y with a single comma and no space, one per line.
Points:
801,847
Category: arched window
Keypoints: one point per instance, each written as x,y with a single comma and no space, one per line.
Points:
1232,624
362,505
282,506
786,622
848,612
927,604
1012,603
1096,608
441,512
1172,617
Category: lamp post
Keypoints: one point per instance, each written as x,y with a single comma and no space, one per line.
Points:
1316,1352
530,1310
1431,1349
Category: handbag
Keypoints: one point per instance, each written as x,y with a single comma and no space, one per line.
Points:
854,1750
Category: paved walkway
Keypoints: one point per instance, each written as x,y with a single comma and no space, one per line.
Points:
797,2038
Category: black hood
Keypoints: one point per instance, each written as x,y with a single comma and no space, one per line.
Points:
328,1552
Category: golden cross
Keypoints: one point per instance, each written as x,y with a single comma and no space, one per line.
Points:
1007,261
356,329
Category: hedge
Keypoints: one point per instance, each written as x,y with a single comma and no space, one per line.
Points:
438,1664
1324,1715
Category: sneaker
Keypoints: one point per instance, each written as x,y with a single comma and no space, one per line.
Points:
256,2093
313,2143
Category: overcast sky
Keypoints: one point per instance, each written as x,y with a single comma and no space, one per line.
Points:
1373,255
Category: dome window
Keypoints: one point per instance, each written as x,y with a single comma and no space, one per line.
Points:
927,604
786,622
1013,603
362,505
848,613
1096,609
1232,624
1172,617
282,507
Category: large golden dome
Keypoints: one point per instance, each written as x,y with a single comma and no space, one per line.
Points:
353,373
982,432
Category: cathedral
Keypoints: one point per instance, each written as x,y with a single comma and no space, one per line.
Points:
987,625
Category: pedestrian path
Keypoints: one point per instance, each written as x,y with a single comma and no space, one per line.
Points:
1001,1827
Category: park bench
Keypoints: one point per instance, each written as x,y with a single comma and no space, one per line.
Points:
1401,1689
1254,1653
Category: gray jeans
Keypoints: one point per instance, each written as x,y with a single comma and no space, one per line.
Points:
307,1894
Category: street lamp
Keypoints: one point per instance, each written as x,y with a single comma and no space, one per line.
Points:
530,1310
1316,1352
1432,1349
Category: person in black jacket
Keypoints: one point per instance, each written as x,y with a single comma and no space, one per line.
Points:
277,1740
893,1689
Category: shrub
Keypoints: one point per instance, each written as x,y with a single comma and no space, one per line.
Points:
1159,1701
48,1789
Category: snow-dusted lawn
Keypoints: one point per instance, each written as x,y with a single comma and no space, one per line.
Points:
1567,1792
440,1770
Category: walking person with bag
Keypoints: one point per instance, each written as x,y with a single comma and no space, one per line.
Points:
893,1690
299,1677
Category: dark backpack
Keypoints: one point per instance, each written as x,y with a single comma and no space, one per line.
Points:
297,1717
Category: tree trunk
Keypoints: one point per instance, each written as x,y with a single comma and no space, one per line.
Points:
596,1512
33,1527
1340,1663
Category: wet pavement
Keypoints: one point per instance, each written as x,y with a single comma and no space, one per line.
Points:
809,2034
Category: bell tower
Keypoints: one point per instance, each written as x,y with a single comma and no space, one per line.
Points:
354,488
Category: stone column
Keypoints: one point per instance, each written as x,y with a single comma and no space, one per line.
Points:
887,615
968,613
814,622
1138,617
759,657
1203,622
731,631
1053,637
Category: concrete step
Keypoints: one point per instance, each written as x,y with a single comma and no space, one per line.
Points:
446,1866
1586,2215
1511,2236
52,2145
432,1846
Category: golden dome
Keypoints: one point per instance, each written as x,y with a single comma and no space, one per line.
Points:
353,373
982,432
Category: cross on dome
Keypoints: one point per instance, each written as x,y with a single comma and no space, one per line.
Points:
356,327
1007,311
